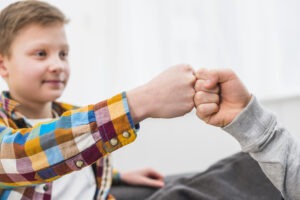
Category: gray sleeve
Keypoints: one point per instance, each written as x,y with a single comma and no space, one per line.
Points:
276,150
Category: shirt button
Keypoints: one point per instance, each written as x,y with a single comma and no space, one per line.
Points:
46,187
79,164
126,134
113,142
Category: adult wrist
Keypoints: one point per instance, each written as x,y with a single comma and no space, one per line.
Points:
251,126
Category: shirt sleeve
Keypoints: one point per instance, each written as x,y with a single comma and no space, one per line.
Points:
116,177
276,150
77,139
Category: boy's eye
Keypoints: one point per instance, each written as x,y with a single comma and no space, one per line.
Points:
41,53
63,54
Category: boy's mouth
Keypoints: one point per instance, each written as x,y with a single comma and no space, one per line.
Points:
54,82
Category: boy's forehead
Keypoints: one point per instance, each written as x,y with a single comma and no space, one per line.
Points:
40,27
43,34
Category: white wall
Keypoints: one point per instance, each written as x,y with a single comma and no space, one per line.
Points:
186,144
119,44
176,146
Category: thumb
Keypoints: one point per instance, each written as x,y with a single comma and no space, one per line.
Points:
214,76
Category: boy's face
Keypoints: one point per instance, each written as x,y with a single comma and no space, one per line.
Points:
37,69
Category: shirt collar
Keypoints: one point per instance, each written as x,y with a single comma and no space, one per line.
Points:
9,105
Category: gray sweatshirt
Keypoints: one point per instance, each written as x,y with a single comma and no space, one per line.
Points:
275,149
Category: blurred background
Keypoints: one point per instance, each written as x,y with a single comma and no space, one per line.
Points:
117,45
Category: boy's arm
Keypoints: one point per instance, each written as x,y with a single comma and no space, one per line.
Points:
222,100
77,139
80,137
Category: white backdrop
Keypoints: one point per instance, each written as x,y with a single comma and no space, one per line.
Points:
118,44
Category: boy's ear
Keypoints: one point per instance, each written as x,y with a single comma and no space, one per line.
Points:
3,69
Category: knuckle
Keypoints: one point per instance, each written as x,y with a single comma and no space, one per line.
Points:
186,68
199,114
201,109
199,95
198,85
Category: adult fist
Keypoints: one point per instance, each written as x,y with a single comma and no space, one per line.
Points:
220,96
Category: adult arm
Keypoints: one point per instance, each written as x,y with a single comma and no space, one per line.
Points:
222,100
276,150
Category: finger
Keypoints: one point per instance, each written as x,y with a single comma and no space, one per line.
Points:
157,183
202,97
200,85
213,77
202,74
189,73
208,79
188,67
205,111
192,76
154,174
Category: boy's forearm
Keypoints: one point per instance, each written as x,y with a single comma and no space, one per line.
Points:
80,136
139,103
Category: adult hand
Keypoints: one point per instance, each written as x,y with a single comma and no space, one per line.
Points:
143,177
170,94
220,96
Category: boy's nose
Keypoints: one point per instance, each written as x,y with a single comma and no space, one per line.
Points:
57,65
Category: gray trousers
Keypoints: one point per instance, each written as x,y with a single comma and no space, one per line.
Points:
237,177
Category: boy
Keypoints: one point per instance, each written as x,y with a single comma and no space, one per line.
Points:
43,142
222,100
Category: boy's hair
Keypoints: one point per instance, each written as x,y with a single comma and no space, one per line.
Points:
18,15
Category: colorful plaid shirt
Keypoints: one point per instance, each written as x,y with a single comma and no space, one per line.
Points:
31,156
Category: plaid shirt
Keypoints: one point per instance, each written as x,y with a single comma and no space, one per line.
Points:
30,156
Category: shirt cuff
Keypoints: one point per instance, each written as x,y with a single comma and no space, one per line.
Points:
115,123
136,127
251,126
116,177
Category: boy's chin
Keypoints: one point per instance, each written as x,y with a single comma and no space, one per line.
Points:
53,96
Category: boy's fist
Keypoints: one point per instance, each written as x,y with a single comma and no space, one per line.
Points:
169,94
